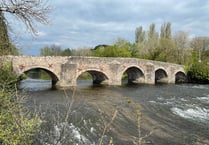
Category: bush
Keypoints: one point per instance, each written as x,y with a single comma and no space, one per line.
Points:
198,73
16,126
8,79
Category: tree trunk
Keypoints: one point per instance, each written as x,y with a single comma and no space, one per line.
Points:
4,37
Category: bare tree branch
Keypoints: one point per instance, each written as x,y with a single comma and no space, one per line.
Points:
27,11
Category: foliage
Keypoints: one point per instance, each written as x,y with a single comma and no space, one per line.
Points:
168,51
150,46
7,78
113,51
17,127
67,52
198,72
119,49
85,76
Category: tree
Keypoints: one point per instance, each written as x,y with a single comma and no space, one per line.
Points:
198,73
121,48
181,40
165,31
27,11
167,48
67,52
139,35
152,32
6,47
200,46
5,44
152,43
140,40
45,51
53,50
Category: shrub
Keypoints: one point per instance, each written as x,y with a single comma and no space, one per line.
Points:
17,127
198,72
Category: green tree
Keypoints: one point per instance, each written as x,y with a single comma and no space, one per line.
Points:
116,51
139,35
152,42
198,73
165,31
67,52
167,48
121,48
140,41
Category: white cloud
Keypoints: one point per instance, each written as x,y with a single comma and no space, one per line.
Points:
78,23
41,33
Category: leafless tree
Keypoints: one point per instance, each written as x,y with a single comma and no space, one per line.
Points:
27,11
181,40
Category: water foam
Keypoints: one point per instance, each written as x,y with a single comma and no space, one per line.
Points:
197,113
69,132
204,99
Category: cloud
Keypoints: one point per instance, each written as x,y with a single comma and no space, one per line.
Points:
41,33
79,23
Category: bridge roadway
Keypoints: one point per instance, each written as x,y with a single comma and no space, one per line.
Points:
64,71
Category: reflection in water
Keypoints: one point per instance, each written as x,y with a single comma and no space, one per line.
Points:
176,114
35,84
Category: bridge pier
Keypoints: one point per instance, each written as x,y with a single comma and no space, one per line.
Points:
115,81
115,78
171,76
149,74
67,76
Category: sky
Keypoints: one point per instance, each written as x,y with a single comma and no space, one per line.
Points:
86,23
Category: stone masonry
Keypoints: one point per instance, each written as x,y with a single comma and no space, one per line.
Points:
64,71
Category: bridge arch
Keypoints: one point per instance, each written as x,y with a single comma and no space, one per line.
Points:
180,77
54,76
161,75
134,74
98,76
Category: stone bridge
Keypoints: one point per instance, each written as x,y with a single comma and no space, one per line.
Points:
64,71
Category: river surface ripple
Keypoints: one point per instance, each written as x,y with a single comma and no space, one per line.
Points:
170,114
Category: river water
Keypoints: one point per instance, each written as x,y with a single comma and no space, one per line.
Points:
166,114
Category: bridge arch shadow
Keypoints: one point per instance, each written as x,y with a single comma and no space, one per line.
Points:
133,75
91,77
161,76
180,77
40,73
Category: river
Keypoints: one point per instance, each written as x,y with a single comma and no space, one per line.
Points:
166,114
